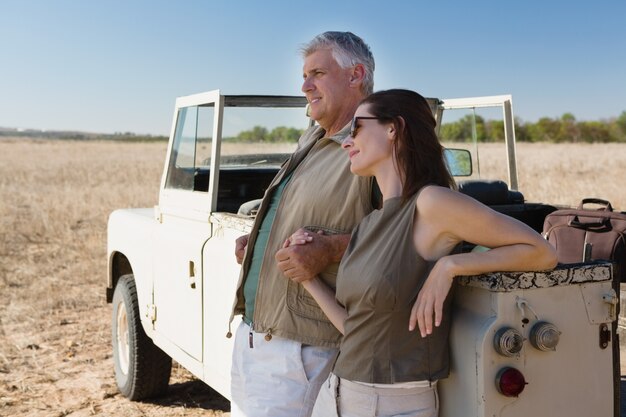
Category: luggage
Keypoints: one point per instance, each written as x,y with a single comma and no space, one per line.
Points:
584,235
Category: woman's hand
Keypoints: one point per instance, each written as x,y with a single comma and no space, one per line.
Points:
299,237
431,298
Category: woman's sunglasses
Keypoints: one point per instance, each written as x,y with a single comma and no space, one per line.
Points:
355,120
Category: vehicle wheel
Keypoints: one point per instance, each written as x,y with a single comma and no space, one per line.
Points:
142,370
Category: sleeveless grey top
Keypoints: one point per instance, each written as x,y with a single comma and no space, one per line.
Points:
379,278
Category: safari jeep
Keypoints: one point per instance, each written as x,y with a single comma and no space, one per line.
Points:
522,344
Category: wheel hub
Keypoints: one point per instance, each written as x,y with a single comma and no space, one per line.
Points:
123,348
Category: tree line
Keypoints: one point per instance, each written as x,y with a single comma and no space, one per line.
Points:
80,136
557,130
257,134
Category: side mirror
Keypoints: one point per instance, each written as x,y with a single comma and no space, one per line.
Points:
459,162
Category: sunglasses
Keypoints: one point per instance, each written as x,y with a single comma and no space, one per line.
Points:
355,120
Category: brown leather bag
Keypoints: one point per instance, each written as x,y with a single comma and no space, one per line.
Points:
584,235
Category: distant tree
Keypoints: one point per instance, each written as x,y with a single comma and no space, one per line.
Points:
461,130
569,130
279,134
545,130
451,132
621,122
595,132
257,134
521,131
494,130
284,134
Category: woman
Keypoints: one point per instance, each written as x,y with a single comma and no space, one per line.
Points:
400,264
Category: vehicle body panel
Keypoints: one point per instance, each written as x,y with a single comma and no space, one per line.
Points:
570,298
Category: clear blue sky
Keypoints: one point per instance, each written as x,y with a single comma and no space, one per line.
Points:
109,66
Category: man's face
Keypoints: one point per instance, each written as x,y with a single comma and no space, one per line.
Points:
327,88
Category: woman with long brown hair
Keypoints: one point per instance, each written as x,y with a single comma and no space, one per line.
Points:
400,264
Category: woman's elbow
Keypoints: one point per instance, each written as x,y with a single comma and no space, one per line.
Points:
547,256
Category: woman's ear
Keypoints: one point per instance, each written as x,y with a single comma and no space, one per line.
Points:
393,128
391,131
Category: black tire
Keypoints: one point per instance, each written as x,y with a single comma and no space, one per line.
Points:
142,370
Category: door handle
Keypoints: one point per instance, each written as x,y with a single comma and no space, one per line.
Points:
192,274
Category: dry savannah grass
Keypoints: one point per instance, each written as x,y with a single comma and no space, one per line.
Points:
55,196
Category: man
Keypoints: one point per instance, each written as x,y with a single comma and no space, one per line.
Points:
285,345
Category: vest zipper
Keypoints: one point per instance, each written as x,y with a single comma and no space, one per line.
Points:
229,334
278,209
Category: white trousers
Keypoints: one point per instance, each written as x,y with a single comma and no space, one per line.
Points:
276,378
344,398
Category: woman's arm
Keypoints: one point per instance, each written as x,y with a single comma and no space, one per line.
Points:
322,293
325,297
444,218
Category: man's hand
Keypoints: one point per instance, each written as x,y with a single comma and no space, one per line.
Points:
302,261
240,247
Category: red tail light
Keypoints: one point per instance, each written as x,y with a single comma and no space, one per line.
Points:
510,382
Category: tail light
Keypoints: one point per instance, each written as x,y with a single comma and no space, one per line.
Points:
508,342
510,382
544,336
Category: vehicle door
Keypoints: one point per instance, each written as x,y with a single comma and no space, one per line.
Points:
183,229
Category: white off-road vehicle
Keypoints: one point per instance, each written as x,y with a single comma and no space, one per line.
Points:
522,344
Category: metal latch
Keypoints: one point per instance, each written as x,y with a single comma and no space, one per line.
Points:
151,312
605,336
611,299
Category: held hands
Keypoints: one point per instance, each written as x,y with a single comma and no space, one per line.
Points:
431,298
299,237
304,255
240,247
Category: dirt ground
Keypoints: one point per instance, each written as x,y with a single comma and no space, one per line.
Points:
55,354
55,198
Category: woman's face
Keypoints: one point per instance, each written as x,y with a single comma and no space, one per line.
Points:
370,143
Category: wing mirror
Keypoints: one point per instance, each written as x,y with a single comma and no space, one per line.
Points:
459,162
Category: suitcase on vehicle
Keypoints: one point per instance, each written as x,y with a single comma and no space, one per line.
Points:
584,235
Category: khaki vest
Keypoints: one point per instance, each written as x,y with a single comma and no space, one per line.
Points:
380,276
321,194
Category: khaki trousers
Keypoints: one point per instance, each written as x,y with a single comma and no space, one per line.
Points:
276,378
344,398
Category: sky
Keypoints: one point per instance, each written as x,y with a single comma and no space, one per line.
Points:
118,65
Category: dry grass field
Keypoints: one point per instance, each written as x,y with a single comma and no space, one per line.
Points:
55,196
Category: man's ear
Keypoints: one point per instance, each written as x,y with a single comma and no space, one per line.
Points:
358,74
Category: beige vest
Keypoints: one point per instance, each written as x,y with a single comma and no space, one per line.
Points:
321,194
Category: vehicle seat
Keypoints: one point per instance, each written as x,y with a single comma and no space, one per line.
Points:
496,194
490,192
249,208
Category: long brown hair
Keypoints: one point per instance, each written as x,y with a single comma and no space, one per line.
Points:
416,147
